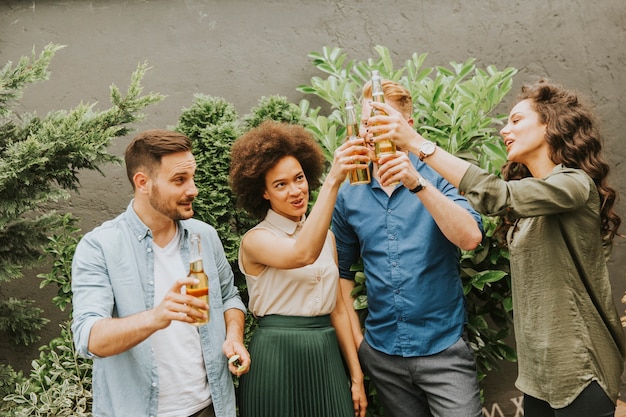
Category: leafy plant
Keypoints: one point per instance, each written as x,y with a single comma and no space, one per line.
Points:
59,383
453,107
60,249
212,124
9,378
276,108
40,158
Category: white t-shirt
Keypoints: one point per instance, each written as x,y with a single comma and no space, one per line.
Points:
183,384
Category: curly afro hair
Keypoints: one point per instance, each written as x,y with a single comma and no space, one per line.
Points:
259,150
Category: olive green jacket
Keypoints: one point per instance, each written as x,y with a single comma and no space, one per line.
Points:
567,328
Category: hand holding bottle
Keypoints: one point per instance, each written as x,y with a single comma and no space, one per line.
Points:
348,157
362,174
390,124
196,270
393,169
382,146
176,305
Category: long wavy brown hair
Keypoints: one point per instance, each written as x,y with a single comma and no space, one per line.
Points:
574,140
259,150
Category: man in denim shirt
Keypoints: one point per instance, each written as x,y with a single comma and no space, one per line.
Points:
408,236
130,315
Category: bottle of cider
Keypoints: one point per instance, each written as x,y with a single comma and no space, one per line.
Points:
362,174
196,270
384,147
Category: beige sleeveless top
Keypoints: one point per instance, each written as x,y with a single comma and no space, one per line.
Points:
306,291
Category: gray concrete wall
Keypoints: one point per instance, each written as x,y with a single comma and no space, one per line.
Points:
242,50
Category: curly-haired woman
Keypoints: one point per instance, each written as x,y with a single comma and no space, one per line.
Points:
289,261
570,343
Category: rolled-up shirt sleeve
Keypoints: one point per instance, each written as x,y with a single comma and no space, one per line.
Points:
92,293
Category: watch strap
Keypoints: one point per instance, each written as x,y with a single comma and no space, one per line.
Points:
421,184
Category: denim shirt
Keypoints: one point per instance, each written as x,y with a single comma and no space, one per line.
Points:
113,276
415,299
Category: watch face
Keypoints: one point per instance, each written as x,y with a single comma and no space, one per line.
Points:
427,148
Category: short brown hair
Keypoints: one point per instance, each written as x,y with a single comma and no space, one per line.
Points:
259,150
145,150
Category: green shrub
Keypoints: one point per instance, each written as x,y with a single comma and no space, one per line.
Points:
59,383
40,158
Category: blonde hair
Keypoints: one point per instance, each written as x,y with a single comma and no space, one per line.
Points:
395,93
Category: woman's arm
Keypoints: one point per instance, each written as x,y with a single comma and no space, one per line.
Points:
264,248
394,126
341,322
455,221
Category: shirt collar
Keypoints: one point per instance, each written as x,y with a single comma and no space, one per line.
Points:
284,224
141,231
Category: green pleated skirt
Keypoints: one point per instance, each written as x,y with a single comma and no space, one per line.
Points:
296,370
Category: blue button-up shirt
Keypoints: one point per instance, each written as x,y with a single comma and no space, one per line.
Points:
113,276
415,297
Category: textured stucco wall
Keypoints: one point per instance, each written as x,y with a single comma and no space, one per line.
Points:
243,50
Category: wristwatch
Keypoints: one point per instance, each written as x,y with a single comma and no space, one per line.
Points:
427,148
421,184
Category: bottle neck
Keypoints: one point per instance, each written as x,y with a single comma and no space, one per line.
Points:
195,257
352,130
378,96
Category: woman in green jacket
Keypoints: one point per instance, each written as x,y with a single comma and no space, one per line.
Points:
570,343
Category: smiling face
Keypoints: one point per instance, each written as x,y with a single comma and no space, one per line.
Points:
287,189
172,188
524,134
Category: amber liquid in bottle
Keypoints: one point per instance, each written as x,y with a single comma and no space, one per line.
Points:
383,147
196,270
362,174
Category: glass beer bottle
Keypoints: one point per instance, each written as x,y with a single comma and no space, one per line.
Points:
196,270
383,147
362,174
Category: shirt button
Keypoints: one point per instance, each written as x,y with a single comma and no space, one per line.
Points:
149,250
389,211
151,282
394,264
154,384
391,237
317,299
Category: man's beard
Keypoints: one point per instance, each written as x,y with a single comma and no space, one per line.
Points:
160,205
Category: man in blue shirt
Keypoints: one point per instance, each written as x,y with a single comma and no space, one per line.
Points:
408,237
130,313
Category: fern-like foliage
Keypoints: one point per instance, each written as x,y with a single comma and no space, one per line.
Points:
40,161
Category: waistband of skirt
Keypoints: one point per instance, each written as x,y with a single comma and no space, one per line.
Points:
275,320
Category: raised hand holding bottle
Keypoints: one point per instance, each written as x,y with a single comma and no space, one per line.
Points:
362,174
196,270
